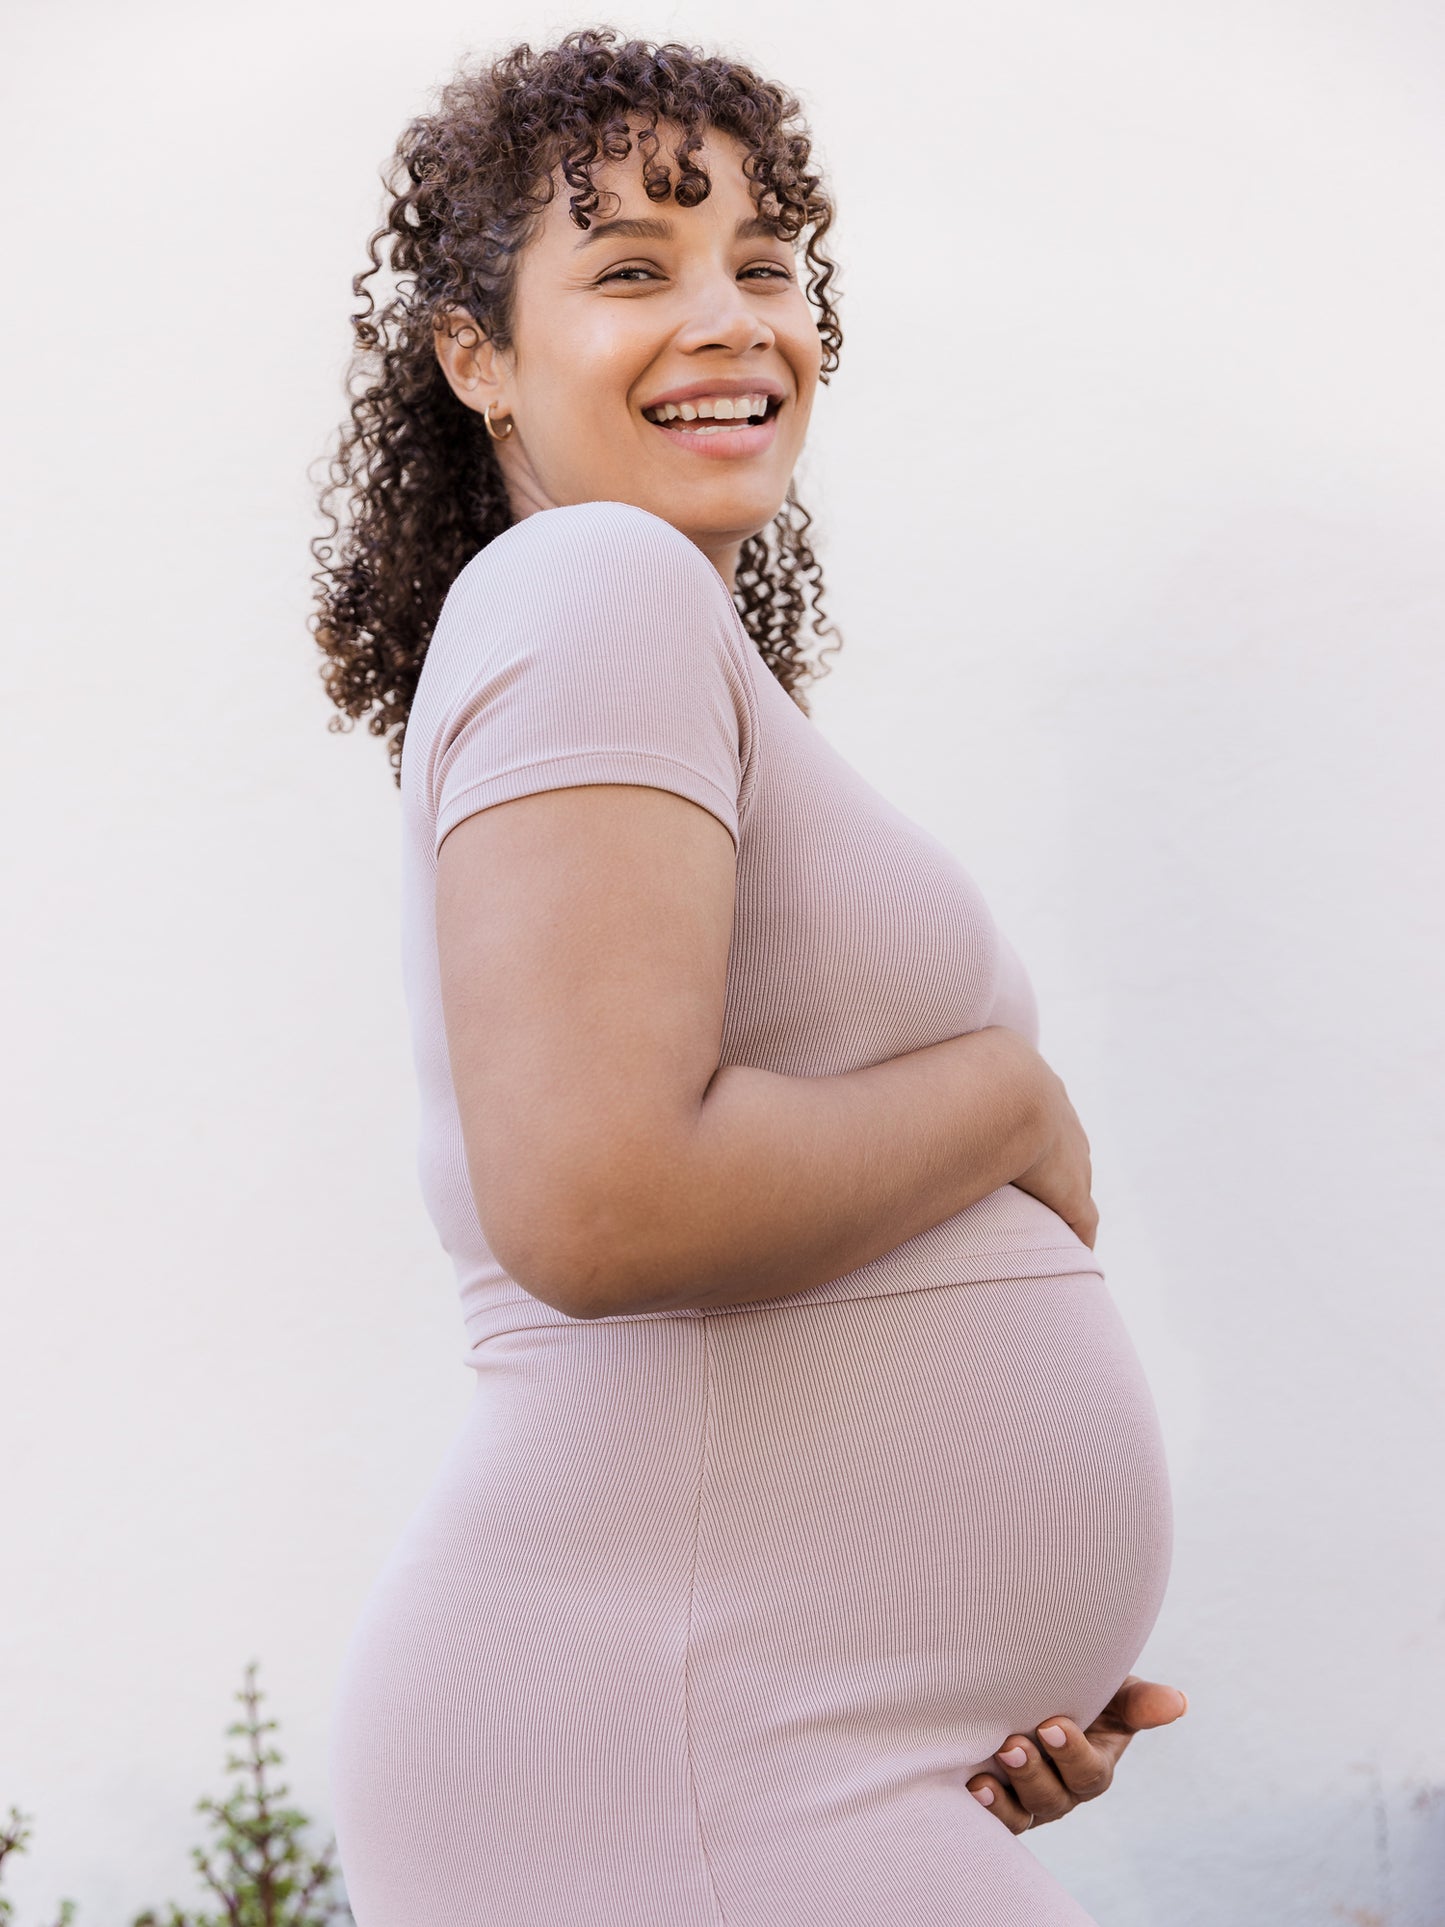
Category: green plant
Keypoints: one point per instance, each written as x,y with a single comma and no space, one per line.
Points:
13,1839
260,1874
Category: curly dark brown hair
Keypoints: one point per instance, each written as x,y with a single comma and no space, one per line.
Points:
469,183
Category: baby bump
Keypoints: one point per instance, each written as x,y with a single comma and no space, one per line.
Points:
739,1601
927,1519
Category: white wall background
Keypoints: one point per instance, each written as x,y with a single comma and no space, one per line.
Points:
1129,491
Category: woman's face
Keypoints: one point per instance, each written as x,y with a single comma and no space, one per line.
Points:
611,321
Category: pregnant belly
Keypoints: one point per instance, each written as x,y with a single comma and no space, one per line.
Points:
928,1519
784,1574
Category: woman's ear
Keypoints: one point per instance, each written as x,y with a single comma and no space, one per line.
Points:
470,361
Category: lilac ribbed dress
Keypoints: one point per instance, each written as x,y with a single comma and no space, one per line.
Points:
707,1616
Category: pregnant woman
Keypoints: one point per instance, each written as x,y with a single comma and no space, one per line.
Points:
811,1496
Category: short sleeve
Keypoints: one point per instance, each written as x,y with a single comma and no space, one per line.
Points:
593,643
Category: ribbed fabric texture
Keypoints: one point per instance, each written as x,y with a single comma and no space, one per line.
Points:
597,644
708,1615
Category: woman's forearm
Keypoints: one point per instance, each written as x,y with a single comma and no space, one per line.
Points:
783,1183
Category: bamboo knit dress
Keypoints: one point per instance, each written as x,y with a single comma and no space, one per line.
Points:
707,1617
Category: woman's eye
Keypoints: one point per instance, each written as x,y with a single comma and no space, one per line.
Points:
773,272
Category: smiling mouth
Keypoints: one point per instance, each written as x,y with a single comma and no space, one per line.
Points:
700,428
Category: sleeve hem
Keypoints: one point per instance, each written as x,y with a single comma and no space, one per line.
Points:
644,768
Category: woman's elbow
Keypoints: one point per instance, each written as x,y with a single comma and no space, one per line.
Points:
584,1262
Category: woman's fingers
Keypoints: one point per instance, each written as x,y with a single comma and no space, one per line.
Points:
996,1795
1085,1769
1044,1775
1142,1703
1138,1705
1037,1786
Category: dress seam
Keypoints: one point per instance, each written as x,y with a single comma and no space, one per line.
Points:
691,1595
804,1303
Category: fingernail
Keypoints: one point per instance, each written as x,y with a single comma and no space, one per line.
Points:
1183,1699
983,1794
1015,1757
1054,1735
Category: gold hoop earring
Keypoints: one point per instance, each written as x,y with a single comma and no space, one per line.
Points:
487,418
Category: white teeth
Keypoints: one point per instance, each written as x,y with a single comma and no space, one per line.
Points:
710,408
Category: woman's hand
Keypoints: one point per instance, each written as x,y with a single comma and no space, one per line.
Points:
1052,1777
1062,1175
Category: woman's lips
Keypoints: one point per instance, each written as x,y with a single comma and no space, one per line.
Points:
725,443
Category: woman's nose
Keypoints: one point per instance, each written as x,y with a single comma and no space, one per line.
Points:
725,315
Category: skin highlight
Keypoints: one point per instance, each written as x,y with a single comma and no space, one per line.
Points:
606,322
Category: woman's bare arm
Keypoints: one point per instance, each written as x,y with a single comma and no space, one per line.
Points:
837,1170
583,936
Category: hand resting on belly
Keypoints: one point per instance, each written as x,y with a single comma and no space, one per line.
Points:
1053,1776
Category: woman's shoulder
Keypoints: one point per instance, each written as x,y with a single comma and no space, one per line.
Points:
586,589
581,539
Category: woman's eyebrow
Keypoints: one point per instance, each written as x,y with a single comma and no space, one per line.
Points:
651,228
